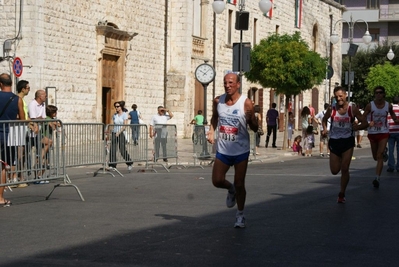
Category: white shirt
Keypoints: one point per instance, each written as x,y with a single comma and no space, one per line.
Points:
320,117
36,110
160,119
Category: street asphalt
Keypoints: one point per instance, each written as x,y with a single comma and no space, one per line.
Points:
178,218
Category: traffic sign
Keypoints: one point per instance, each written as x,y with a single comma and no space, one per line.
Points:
330,72
17,67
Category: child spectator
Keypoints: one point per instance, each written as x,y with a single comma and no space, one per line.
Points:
296,146
309,141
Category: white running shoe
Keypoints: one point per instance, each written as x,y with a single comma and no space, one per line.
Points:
129,168
240,222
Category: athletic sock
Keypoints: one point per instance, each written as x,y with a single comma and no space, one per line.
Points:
240,213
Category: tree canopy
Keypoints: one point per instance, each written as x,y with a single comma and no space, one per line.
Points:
384,75
285,63
361,64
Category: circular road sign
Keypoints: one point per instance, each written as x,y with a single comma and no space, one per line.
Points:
330,72
17,67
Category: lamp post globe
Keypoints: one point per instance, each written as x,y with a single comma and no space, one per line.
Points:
334,38
390,54
265,5
218,6
367,37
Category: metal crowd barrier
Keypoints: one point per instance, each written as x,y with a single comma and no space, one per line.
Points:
125,144
165,145
33,152
252,144
84,144
202,149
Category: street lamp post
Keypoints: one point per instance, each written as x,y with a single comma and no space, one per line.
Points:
218,7
390,54
334,38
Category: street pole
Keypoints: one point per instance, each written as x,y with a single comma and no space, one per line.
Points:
205,151
240,65
350,23
352,50
241,73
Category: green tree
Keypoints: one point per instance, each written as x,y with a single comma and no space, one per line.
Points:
385,75
361,64
286,64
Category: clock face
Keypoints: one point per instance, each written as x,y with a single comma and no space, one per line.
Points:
205,73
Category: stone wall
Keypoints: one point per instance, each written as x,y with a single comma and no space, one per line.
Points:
59,47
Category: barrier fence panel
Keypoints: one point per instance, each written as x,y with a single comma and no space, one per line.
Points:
126,144
252,144
202,149
164,144
84,144
33,152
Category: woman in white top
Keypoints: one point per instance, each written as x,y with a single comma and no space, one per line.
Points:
118,138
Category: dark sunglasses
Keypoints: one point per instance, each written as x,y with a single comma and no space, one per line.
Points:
379,92
117,106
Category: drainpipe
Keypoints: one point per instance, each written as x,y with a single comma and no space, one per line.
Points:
331,60
165,71
214,55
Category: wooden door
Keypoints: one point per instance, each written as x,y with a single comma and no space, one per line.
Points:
110,84
199,98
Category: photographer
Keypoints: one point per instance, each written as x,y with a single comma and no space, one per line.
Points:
159,131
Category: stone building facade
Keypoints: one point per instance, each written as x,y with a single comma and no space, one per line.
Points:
90,54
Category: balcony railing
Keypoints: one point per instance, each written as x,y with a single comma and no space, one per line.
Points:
198,46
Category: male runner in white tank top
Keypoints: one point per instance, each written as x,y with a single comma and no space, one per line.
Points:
376,113
232,112
341,136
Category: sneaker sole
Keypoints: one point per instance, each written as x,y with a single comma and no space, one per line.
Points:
239,226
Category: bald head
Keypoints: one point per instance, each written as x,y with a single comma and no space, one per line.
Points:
5,80
237,78
40,96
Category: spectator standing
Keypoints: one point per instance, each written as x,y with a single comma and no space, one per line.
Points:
118,138
393,140
378,132
135,117
272,121
359,134
36,111
198,119
17,136
323,137
342,140
291,123
232,112
159,131
258,116
309,142
306,121
11,108
312,110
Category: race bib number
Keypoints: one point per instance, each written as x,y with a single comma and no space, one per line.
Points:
342,122
228,133
379,123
